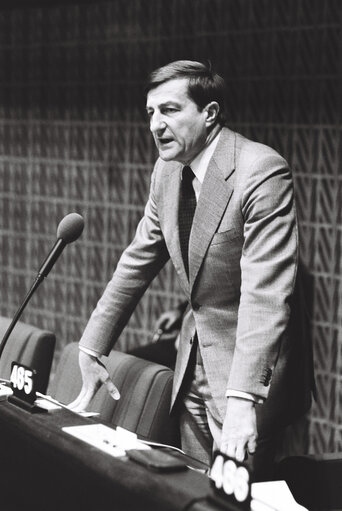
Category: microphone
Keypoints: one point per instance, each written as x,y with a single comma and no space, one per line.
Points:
69,229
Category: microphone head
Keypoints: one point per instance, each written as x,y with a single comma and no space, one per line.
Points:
70,228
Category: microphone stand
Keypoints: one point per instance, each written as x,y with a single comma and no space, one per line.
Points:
43,272
16,400
19,312
69,229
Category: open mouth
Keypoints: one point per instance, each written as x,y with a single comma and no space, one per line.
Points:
165,141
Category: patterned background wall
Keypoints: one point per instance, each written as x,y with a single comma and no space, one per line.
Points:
73,137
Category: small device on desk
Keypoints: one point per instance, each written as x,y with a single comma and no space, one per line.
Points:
157,459
193,463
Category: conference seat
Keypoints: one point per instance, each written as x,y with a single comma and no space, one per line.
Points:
145,389
30,346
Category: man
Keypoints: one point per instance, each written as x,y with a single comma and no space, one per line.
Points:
222,208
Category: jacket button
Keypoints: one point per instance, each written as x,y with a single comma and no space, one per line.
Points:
196,306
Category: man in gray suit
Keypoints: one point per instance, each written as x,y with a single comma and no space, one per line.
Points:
222,208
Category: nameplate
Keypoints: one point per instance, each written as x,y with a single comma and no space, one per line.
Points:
23,382
231,481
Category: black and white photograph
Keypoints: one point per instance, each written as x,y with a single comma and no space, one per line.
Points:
170,255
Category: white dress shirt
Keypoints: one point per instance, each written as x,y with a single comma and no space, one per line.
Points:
199,165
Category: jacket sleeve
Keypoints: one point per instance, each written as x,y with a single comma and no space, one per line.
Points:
268,272
139,264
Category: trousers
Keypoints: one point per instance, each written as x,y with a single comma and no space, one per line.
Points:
201,425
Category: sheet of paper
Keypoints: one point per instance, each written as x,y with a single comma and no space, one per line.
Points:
273,496
5,391
49,403
111,441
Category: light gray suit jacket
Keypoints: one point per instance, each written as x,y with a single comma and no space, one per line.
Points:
243,255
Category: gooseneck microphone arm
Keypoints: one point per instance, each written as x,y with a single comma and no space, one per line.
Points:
43,272
19,312
47,265
69,229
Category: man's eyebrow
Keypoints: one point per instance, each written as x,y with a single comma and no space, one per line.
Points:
163,105
169,103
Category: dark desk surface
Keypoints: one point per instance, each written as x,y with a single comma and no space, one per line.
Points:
51,470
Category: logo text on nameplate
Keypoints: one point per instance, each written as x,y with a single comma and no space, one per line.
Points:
23,382
231,481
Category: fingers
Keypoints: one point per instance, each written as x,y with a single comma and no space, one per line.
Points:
239,448
157,335
170,336
112,390
252,444
239,431
168,320
82,402
233,449
94,374
78,399
84,398
106,380
236,450
162,321
228,449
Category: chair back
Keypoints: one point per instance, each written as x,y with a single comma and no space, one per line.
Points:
145,389
30,346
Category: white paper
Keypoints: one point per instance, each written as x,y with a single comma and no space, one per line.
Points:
49,403
109,440
273,496
5,391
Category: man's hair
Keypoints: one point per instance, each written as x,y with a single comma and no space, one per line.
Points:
204,85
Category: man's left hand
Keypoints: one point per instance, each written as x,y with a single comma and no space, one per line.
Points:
239,432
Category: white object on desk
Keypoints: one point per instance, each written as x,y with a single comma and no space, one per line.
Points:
5,391
49,403
109,440
273,496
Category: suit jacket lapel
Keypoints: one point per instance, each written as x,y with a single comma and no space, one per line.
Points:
215,194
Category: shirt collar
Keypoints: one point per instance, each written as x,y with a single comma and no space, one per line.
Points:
200,163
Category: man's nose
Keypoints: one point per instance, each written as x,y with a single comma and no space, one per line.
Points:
157,124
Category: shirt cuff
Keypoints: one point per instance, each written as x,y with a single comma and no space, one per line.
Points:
245,395
90,352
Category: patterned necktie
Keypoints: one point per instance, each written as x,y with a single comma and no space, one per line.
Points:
187,206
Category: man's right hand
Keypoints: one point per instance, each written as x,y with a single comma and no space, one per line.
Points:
94,374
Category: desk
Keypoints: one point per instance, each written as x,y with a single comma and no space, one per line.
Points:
48,469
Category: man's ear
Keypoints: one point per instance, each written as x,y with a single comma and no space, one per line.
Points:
212,110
